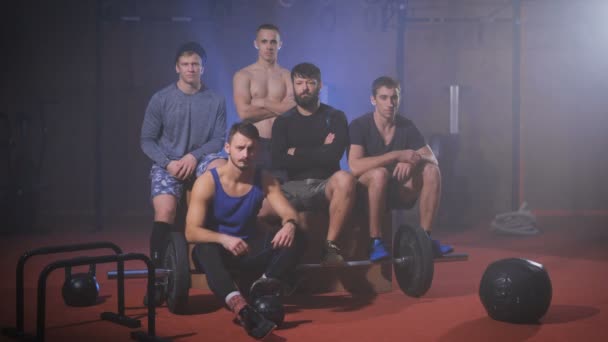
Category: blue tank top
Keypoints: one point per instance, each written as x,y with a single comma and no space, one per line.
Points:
235,216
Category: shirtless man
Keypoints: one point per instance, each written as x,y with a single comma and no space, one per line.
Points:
262,90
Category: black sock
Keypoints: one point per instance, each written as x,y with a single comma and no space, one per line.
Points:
158,241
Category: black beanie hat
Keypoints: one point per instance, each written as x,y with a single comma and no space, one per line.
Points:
191,47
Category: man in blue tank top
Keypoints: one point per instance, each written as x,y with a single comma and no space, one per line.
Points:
221,221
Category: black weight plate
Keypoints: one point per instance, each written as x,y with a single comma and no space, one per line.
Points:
416,274
178,282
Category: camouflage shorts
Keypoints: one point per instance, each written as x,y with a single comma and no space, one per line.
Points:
163,183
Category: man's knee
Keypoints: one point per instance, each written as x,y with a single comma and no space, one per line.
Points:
203,253
375,178
431,174
165,214
206,249
343,181
165,208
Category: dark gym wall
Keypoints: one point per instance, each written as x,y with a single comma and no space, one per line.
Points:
51,58
48,52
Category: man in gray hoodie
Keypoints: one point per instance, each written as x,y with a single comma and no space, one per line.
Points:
183,132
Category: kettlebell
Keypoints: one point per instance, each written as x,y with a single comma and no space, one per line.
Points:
80,289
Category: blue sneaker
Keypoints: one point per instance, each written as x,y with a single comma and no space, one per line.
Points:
440,250
378,251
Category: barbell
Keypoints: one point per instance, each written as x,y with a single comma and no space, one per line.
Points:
163,273
412,260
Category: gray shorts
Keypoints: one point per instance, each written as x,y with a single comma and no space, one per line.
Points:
162,183
307,194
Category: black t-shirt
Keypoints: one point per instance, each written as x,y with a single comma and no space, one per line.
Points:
312,158
363,132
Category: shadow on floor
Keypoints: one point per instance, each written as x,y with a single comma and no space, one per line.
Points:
559,314
486,329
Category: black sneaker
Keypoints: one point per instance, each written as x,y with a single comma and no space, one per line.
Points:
254,323
265,287
331,255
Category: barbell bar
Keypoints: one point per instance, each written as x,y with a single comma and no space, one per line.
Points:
162,273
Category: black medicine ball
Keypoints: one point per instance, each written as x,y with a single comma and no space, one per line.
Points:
515,290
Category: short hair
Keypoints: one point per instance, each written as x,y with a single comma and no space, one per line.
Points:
385,81
267,27
189,48
245,128
306,70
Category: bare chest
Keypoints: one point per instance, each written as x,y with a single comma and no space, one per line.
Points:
268,84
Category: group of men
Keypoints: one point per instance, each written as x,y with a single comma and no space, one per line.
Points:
284,156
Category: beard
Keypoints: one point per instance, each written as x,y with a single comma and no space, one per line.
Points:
311,99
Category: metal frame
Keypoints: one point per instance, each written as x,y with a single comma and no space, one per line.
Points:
117,318
51,250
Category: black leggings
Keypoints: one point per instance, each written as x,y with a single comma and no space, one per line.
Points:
215,261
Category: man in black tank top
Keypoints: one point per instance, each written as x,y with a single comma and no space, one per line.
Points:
221,222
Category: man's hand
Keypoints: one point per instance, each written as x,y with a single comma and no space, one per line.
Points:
284,237
409,156
402,171
175,168
234,245
291,151
189,161
183,168
329,139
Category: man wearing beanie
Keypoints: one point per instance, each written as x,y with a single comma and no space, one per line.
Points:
182,133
